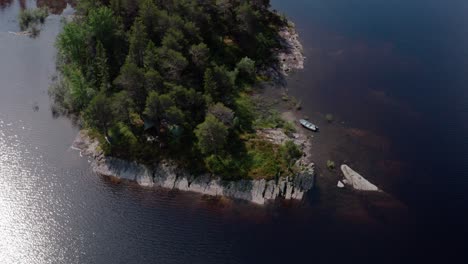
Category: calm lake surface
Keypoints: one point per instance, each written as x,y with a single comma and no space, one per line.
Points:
393,74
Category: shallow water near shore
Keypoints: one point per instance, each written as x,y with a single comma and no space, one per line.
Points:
53,209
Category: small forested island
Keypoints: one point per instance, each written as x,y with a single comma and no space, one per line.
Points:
164,90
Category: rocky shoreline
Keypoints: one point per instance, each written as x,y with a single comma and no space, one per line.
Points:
290,57
168,175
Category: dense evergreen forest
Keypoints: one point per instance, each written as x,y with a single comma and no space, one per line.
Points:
171,79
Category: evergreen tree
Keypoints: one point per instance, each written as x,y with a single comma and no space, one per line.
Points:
247,18
102,25
246,71
153,109
171,63
219,83
200,55
149,15
99,113
138,43
212,135
102,69
122,105
174,39
131,80
153,81
150,59
209,84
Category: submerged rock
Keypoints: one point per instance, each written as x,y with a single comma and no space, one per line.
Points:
168,175
356,180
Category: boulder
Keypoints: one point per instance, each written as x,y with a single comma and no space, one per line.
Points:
340,184
356,180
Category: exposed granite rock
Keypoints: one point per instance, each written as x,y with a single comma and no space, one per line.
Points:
356,180
290,56
167,175
340,185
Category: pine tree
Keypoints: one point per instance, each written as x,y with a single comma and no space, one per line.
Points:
149,15
138,43
209,84
102,68
212,135
150,60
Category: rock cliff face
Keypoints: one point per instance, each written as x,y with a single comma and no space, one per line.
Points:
168,175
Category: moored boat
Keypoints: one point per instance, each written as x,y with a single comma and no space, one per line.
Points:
308,125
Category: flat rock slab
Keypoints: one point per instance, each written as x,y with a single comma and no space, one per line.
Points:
356,180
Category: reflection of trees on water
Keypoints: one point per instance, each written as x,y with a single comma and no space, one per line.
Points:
55,6
5,3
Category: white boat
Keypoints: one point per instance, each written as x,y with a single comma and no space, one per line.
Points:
308,125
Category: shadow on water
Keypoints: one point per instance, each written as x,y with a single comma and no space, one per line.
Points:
55,7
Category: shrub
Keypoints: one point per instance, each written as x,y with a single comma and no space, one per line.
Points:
329,118
290,153
289,128
330,165
31,17
265,160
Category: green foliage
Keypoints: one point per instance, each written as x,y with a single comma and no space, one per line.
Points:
131,80
290,153
329,118
220,84
215,165
138,44
200,55
171,63
264,156
174,39
30,18
211,135
245,111
176,72
152,110
123,140
153,81
268,160
98,114
102,25
162,108
122,106
269,119
150,60
102,68
149,16
79,92
331,165
72,44
222,113
289,128
246,70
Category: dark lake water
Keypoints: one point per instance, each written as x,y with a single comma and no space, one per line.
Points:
394,75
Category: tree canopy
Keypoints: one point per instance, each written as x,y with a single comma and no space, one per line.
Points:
166,78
